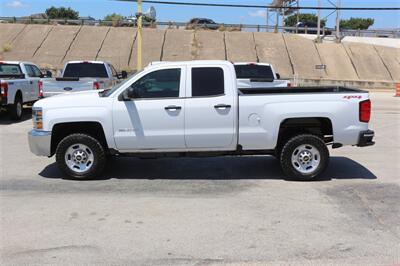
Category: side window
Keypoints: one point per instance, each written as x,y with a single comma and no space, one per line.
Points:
159,84
207,81
37,71
29,70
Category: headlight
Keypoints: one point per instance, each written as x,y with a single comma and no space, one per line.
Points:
37,117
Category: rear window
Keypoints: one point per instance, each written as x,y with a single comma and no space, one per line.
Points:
10,69
85,70
253,71
207,81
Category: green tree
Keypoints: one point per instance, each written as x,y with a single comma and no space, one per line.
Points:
114,17
356,23
291,21
61,13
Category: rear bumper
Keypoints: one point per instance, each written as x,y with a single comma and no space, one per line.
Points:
40,142
366,138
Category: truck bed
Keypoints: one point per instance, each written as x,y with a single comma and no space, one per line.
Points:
298,90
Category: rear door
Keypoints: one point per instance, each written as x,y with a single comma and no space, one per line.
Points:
210,113
32,90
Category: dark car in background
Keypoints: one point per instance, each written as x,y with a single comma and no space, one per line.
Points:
312,28
202,23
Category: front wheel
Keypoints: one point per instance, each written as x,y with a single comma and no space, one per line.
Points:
81,156
304,157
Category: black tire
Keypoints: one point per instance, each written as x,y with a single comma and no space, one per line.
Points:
99,156
291,147
16,110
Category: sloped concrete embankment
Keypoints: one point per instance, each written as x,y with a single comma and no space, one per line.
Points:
51,46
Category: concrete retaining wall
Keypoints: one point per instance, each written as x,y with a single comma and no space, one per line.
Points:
117,47
271,48
367,62
51,46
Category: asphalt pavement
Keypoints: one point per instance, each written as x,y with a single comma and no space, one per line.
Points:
204,211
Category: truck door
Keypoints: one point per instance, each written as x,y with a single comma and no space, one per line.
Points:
210,108
33,87
154,118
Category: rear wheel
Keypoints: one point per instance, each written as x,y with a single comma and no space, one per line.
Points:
304,157
81,156
16,109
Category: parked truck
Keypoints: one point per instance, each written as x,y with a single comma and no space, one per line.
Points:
196,109
83,76
20,83
258,75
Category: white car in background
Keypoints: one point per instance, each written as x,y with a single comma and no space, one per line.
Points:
82,76
20,83
258,75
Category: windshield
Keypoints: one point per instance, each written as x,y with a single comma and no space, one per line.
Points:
108,92
10,69
253,71
85,70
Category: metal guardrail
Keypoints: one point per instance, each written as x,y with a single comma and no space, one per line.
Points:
384,33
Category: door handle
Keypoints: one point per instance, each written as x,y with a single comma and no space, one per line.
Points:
222,106
173,108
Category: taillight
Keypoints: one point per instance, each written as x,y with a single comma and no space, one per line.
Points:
365,111
96,85
289,85
40,87
4,89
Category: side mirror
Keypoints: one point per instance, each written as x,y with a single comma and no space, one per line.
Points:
278,76
49,74
124,74
128,94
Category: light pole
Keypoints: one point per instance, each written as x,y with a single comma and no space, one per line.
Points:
139,16
319,22
338,4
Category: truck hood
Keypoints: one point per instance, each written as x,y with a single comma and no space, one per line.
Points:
69,100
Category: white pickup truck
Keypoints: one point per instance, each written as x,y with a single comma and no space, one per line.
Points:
83,76
258,75
20,83
195,109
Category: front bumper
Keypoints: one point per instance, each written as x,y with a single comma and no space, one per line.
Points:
365,138
40,142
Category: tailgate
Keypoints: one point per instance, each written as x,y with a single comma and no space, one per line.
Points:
54,87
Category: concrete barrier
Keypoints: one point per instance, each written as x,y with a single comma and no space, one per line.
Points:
87,43
367,62
338,64
117,47
8,32
304,56
240,47
271,49
178,45
209,45
391,59
55,46
27,42
152,44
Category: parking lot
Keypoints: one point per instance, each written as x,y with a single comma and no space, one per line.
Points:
204,210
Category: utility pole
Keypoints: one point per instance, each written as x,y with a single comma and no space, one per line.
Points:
319,22
139,17
338,4
267,29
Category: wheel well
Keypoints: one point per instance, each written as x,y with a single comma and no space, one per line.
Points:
319,126
18,94
60,131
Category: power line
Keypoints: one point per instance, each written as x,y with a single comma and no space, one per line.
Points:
261,6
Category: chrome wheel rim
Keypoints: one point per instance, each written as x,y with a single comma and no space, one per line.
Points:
306,159
19,109
79,158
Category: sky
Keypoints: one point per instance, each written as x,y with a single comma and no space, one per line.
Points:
100,8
